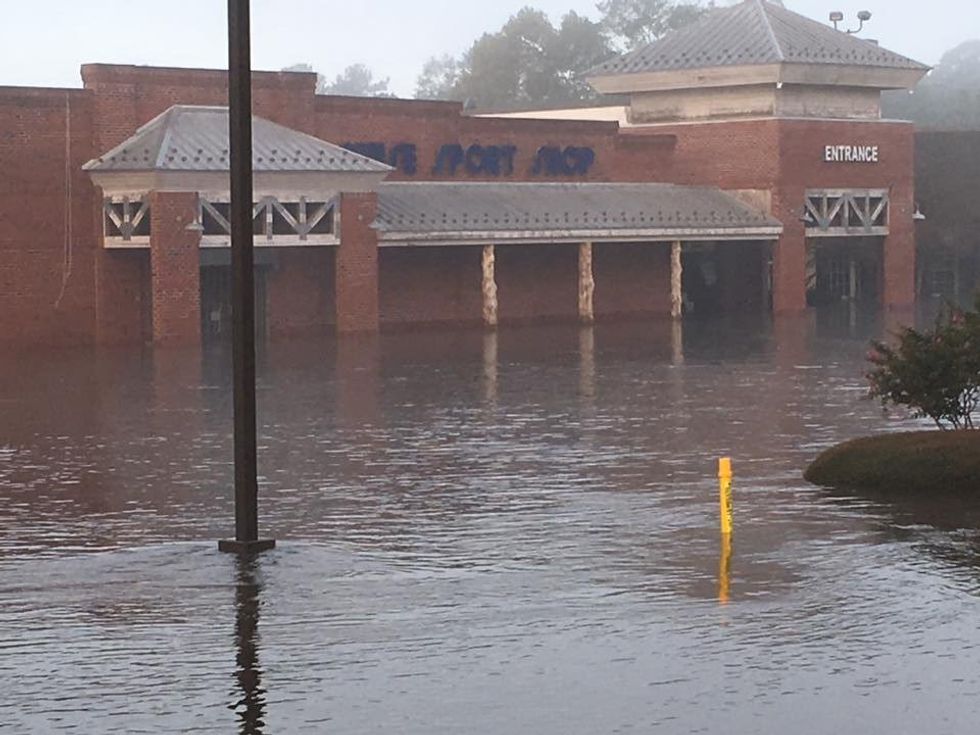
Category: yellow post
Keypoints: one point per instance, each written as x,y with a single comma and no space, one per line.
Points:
725,481
727,526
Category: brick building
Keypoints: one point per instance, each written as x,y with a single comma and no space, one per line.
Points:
947,174
749,170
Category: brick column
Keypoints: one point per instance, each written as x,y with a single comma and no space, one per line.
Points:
175,268
356,272
789,255
899,252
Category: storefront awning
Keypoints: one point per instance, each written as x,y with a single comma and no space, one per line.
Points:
479,213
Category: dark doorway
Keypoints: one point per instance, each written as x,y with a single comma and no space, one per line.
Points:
844,269
701,280
725,278
216,303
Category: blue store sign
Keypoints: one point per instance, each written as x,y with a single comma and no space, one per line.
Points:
454,159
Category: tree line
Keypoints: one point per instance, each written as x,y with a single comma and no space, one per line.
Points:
532,62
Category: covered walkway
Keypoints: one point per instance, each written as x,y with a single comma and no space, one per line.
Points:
565,250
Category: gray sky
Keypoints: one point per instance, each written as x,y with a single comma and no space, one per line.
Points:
43,44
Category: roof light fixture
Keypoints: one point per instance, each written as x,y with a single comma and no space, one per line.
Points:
863,17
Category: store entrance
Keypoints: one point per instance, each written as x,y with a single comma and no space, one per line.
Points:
844,269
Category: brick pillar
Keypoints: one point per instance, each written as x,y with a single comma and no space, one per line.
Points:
899,252
789,259
789,273
175,268
356,272
122,289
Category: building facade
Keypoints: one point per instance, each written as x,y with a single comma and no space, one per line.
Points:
750,170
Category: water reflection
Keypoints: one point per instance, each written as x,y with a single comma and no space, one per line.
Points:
943,527
250,707
490,367
483,533
725,570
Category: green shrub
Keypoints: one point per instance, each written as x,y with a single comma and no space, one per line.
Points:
935,373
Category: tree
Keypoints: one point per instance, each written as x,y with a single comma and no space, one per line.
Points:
530,61
949,98
357,80
935,373
579,46
527,62
635,23
439,79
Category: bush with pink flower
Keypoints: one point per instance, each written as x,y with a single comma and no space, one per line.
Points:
934,373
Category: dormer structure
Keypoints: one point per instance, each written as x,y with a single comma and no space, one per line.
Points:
166,190
756,59
298,179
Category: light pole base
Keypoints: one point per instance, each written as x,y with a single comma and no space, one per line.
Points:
246,548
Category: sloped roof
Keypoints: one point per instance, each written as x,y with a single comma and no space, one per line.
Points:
553,210
193,138
754,32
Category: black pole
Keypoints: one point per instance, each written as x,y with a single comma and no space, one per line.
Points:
243,282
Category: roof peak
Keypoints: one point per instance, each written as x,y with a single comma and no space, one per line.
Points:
195,138
754,32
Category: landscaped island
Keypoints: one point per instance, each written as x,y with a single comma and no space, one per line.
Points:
933,373
921,461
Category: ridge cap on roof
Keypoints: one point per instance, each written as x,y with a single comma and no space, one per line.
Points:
165,139
770,31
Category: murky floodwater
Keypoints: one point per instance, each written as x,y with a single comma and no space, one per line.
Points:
478,534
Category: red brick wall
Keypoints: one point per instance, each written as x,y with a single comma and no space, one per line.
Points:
537,282
428,285
785,157
802,167
126,97
107,289
300,292
46,272
356,274
732,155
430,125
123,297
631,279
175,265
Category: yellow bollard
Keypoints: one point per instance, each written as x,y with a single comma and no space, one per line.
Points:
725,481
727,526
725,569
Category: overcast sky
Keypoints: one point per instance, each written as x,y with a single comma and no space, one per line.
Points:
43,44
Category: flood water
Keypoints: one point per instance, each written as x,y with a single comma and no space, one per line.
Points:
478,534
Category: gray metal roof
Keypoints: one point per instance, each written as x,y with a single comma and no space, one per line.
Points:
754,32
192,138
554,210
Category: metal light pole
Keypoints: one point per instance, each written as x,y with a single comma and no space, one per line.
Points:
243,284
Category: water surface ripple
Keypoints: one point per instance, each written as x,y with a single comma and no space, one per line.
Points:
479,533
